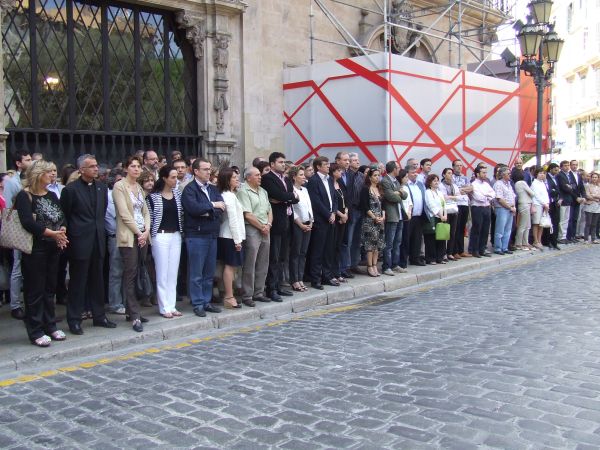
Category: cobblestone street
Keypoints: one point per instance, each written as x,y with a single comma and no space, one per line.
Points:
511,360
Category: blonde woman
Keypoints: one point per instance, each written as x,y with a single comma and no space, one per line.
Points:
133,233
41,215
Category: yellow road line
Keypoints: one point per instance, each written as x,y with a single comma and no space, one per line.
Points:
381,298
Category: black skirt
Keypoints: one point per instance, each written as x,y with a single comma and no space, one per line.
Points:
227,254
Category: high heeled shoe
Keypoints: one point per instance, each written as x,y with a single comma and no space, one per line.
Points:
231,303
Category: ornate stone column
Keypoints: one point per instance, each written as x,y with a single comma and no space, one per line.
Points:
5,7
211,29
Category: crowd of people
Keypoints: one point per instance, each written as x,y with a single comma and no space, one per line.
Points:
260,233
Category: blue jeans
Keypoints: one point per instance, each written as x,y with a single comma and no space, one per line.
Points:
504,220
202,262
393,241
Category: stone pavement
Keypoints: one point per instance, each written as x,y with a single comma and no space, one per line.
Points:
509,360
17,354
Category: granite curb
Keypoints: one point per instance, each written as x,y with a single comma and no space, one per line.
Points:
21,356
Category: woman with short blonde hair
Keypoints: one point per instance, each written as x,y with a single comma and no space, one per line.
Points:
41,215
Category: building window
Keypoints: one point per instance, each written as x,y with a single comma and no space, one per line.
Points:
570,17
582,79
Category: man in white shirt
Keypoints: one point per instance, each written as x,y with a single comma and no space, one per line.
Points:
481,213
465,188
416,190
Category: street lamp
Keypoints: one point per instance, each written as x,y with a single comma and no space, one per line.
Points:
540,47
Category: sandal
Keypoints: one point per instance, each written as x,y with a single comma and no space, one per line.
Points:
231,304
58,335
370,272
43,341
341,279
296,287
167,315
176,313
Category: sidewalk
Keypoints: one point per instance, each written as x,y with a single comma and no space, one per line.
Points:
17,354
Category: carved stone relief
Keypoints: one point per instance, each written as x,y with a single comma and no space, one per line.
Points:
195,30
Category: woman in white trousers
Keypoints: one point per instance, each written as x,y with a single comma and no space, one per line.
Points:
166,227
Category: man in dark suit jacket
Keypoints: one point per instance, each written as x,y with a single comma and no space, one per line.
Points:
324,204
346,183
567,187
203,207
579,189
84,204
282,197
551,238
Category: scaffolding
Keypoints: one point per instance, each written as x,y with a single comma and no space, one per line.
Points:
403,27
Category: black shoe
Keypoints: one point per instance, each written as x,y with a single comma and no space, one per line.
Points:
332,282
347,275
486,254
262,299
498,252
212,309
250,303
137,326
510,252
76,329
199,311
17,313
556,247
475,255
285,293
418,262
142,319
317,286
104,323
275,297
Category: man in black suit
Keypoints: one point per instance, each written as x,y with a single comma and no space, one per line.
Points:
346,183
567,188
282,197
84,204
551,238
324,204
577,181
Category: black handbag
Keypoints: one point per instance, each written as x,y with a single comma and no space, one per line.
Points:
429,225
143,283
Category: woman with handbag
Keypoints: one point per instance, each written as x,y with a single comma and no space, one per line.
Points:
451,194
133,230
372,236
41,215
540,207
435,208
231,234
166,226
525,196
591,208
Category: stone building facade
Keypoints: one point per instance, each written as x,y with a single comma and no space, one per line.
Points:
241,48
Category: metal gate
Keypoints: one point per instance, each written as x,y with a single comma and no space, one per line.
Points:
97,77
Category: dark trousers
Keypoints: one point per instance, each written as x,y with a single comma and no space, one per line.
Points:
461,223
434,249
319,269
334,248
405,246
39,286
130,257
278,256
572,228
61,276
452,245
416,237
480,228
551,238
299,247
182,275
86,284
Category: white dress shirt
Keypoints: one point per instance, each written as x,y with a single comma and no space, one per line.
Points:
325,180
303,209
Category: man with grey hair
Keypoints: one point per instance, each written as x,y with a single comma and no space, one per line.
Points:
84,204
258,219
505,209
354,226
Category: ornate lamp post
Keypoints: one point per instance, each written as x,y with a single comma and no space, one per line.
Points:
540,47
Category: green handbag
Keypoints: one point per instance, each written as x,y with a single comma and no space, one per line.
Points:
442,231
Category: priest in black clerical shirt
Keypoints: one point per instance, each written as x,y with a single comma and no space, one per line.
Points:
84,203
